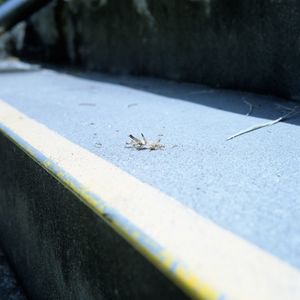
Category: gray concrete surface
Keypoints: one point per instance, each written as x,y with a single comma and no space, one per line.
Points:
9,287
249,185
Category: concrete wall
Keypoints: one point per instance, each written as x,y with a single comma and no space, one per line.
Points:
62,250
245,44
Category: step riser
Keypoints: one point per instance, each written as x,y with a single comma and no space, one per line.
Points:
59,247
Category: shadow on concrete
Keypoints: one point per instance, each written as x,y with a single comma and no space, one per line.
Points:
235,101
10,288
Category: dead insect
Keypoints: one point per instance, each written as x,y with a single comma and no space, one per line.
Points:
143,144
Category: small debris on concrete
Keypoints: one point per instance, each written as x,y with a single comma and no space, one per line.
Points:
250,107
211,91
143,144
280,106
98,145
87,104
132,105
290,114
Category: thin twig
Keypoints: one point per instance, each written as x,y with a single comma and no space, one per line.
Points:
250,107
284,107
132,105
282,118
87,104
202,92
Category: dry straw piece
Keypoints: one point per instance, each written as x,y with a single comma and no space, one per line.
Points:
290,114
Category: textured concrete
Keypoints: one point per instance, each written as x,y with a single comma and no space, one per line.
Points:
12,41
242,44
9,287
60,248
249,185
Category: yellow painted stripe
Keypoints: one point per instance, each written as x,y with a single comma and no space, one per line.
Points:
205,260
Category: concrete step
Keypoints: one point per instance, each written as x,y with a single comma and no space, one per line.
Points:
245,44
83,215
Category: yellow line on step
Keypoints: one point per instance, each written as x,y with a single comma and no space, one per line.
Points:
205,260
